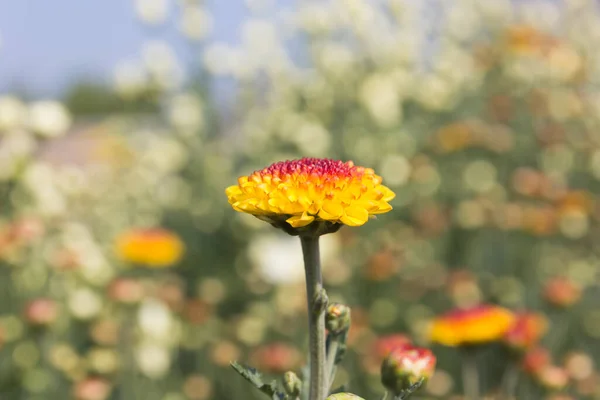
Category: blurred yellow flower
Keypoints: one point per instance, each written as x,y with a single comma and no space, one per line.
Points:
311,189
150,247
477,325
525,39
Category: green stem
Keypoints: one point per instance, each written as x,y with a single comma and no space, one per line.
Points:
470,375
331,367
510,381
316,317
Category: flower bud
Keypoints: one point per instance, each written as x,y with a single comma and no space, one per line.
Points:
405,366
344,396
292,384
337,319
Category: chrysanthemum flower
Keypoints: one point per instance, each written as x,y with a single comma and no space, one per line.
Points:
478,325
311,189
151,247
526,331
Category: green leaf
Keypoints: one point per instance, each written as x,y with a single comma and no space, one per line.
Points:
253,376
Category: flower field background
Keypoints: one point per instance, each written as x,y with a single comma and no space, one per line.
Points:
125,274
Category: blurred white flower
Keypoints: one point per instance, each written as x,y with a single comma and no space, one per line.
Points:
395,170
480,176
130,78
196,23
279,258
262,43
49,118
152,11
315,18
564,63
462,21
543,15
84,303
495,12
380,97
186,112
312,139
574,224
158,57
94,268
335,59
219,58
155,321
259,5
13,113
164,155
434,92
153,360
16,147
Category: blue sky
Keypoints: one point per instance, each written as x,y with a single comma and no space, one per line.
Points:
47,43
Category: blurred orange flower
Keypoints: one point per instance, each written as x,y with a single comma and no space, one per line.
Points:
276,358
525,39
380,348
454,137
150,247
576,200
92,389
553,377
562,292
477,325
384,345
536,359
41,311
526,331
302,191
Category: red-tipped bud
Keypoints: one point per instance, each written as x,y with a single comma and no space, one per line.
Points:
405,366
337,318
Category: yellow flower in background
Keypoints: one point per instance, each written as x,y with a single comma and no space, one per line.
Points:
151,247
477,325
311,189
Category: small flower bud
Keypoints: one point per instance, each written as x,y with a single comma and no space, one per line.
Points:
405,366
344,396
337,319
292,384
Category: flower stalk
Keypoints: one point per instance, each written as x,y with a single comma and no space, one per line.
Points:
317,302
470,374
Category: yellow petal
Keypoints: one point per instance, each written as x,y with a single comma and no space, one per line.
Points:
354,216
331,210
233,191
298,221
382,208
387,193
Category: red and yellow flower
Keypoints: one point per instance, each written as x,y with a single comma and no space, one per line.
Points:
311,189
476,325
150,247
